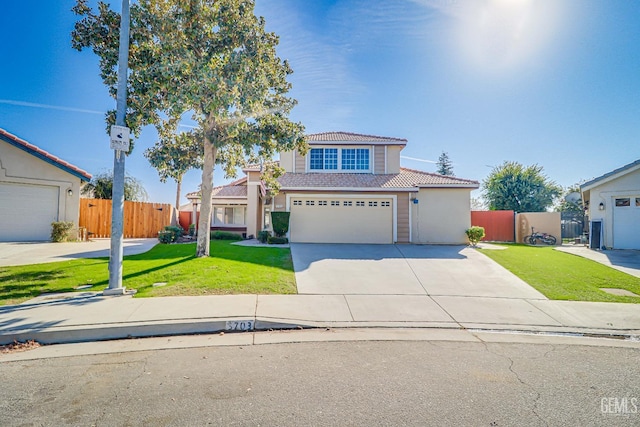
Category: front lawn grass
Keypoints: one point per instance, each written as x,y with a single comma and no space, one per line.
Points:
231,269
562,276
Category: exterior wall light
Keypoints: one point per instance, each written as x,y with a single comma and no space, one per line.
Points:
601,206
69,192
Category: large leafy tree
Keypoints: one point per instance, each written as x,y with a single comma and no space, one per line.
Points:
512,186
175,153
212,58
101,187
444,164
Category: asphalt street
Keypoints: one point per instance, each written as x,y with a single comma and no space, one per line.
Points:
444,383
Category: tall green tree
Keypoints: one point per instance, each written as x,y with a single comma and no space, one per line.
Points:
214,59
175,153
444,165
101,187
512,186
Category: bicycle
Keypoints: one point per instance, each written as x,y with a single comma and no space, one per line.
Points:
536,237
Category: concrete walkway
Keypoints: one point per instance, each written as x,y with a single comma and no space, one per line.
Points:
625,260
429,287
24,253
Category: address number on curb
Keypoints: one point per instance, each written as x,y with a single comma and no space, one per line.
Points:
239,325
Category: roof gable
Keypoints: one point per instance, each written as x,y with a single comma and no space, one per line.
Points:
44,155
237,188
614,174
348,138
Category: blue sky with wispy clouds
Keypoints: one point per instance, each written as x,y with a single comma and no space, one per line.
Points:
552,82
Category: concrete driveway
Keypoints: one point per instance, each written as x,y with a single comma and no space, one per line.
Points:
23,253
403,270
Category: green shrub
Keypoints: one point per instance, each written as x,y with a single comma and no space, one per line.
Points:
165,236
475,234
192,230
60,230
280,223
263,236
170,234
225,235
275,240
176,230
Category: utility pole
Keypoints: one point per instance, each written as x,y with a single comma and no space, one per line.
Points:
120,143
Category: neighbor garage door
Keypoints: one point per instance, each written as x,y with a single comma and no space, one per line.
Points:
626,222
341,220
27,211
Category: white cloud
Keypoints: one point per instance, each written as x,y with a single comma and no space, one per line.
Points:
49,107
417,159
322,81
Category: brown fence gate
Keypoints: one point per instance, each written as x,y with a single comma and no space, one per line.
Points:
141,219
499,226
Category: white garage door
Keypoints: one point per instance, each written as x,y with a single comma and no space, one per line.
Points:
27,211
341,220
626,222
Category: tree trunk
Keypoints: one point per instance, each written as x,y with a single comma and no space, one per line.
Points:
178,190
206,189
176,209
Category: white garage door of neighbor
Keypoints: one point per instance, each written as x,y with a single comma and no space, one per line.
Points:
341,220
27,211
626,222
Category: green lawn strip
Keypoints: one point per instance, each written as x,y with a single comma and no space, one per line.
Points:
231,269
562,276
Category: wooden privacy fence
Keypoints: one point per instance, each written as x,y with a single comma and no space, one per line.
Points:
499,226
141,219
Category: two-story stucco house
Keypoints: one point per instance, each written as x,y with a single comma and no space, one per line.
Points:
349,188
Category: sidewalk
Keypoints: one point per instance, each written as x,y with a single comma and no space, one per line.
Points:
92,317
435,304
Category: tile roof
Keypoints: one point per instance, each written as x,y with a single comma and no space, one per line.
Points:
230,191
233,189
347,137
257,167
406,179
44,155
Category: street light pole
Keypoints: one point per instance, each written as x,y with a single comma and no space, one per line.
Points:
117,210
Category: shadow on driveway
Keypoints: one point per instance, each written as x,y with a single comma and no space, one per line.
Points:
307,253
403,270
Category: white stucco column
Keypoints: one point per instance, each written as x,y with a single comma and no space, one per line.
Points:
253,203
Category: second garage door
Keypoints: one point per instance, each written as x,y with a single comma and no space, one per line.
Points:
341,220
626,217
27,211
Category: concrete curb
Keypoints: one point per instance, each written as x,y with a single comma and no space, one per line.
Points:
165,328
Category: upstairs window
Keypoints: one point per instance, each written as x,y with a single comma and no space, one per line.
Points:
343,159
355,159
323,159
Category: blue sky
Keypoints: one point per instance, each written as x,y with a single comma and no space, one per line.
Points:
548,82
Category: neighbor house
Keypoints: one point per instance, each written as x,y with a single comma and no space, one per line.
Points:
36,189
348,188
612,203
